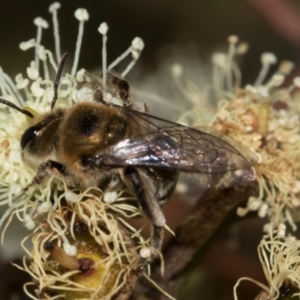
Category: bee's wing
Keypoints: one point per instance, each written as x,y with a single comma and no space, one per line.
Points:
210,158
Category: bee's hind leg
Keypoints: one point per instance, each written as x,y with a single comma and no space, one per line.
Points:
144,188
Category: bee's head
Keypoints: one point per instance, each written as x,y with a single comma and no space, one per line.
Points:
32,131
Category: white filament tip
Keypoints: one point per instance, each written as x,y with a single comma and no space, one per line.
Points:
71,197
15,189
28,222
286,67
42,53
268,58
54,6
296,81
253,204
70,249
263,210
233,39
21,83
40,22
177,70
135,54
27,45
110,197
145,252
281,229
80,75
241,211
44,207
242,48
137,44
219,59
103,28
81,14
36,89
277,79
32,71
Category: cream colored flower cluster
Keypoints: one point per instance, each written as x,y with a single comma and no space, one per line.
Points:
75,233
264,117
279,255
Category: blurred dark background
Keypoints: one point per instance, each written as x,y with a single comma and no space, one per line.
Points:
161,24
267,25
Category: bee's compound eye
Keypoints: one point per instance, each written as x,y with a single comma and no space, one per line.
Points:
27,136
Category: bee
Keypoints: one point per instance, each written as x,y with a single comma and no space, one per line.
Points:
97,144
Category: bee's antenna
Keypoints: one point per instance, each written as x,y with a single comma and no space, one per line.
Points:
57,79
23,111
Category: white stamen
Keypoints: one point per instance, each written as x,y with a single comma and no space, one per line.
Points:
36,90
296,81
41,53
262,212
281,229
242,48
8,88
177,70
135,54
53,10
27,45
110,197
182,188
108,97
276,80
233,39
145,252
40,23
251,89
286,67
15,189
263,91
32,71
267,59
296,202
103,28
28,222
80,75
54,6
15,156
117,101
82,15
84,94
253,204
136,47
138,44
241,211
129,67
219,59
71,196
43,57
70,249
44,207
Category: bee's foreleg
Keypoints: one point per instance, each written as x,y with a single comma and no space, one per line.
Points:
122,87
48,168
144,188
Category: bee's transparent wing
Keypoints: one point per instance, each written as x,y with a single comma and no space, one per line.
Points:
209,158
